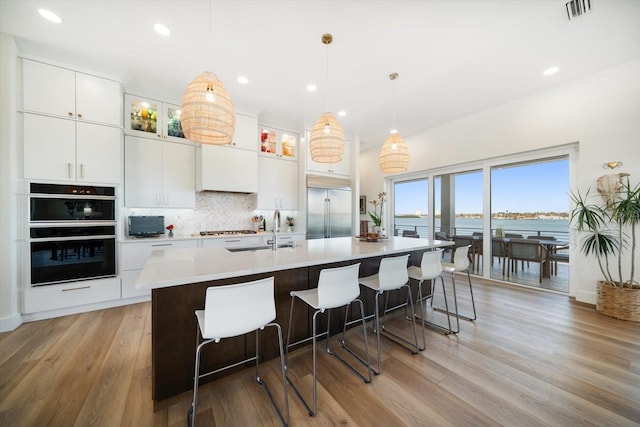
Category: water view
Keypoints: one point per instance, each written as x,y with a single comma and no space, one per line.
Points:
558,228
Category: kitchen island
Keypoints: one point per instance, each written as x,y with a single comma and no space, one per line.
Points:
179,278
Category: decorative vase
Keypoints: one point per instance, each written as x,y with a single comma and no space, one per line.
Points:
617,302
170,233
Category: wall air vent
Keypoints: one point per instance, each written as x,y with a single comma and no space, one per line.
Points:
576,8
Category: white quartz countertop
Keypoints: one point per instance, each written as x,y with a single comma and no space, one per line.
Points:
197,236
173,267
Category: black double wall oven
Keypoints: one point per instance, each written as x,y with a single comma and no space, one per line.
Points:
72,233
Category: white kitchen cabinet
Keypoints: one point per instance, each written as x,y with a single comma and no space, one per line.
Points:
133,256
278,143
277,184
246,133
159,173
150,118
63,92
51,297
341,168
69,150
224,168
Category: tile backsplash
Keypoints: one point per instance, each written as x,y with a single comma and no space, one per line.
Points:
214,211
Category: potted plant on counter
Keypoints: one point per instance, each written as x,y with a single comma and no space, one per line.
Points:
376,215
608,230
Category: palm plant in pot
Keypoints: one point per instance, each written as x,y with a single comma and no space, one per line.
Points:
609,234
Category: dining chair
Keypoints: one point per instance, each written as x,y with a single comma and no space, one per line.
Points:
477,249
441,235
499,250
524,250
337,287
392,275
430,269
462,241
460,264
513,236
410,233
557,257
231,311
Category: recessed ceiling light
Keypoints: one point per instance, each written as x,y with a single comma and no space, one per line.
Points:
49,16
243,80
342,113
550,71
312,87
162,29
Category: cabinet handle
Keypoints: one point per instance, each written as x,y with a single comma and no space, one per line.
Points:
232,241
70,114
157,198
69,170
76,289
81,170
166,198
162,244
79,115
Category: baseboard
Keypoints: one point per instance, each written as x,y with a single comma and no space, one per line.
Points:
587,297
10,323
32,317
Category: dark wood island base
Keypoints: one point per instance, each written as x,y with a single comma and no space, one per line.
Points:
174,324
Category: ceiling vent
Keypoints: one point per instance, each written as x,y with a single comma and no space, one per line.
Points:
576,8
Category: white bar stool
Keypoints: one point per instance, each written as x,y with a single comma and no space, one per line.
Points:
431,269
337,287
392,275
235,310
460,263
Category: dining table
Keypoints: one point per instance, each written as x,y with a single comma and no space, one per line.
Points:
550,246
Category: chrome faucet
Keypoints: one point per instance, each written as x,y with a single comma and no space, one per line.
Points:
276,223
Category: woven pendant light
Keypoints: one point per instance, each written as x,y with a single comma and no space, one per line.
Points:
326,142
207,114
394,155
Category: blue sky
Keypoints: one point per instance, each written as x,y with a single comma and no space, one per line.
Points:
534,187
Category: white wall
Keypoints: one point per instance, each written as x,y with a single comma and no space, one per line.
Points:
9,309
601,112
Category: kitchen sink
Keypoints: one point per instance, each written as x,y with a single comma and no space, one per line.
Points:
254,248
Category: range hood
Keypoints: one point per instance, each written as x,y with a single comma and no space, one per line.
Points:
226,169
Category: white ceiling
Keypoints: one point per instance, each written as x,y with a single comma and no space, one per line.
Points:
454,57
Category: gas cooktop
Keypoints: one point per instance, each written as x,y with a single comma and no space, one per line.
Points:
226,232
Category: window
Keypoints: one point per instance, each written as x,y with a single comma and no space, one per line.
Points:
411,208
525,194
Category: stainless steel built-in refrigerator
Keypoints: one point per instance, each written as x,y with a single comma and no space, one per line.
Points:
328,209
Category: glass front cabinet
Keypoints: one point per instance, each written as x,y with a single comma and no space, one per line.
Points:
278,143
151,118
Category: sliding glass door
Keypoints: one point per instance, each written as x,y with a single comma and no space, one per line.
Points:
530,222
512,212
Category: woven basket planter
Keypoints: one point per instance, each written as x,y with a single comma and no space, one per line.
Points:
620,303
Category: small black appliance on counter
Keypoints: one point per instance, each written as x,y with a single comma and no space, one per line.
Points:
146,226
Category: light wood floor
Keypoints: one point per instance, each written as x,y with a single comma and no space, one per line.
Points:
531,359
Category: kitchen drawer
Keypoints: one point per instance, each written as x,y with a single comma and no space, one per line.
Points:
129,279
135,254
291,237
51,297
231,241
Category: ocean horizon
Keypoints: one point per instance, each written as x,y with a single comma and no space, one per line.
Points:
558,228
